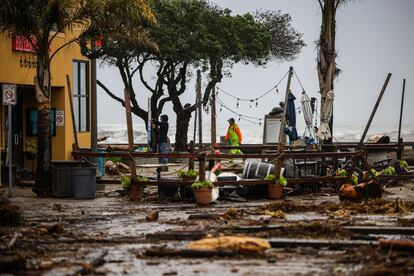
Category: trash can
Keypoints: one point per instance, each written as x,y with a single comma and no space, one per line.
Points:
62,177
84,180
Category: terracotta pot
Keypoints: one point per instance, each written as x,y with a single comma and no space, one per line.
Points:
203,196
189,178
134,193
275,191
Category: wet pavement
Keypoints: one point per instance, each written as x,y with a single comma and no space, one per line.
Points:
107,235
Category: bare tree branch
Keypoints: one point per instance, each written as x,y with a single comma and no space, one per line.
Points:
113,96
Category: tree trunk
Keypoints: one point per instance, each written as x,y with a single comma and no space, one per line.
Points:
43,183
326,64
183,122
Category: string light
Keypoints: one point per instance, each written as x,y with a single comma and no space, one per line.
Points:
237,104
253,99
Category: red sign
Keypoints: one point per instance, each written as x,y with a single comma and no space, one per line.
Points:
21,43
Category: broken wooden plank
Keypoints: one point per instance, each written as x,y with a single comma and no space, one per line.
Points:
188,253
177,235
381,230
332,244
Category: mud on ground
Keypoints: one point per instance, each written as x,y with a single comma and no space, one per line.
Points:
108,235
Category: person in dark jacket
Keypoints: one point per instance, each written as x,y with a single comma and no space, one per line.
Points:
162,137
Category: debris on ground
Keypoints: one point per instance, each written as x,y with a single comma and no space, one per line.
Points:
116,168
361,191
57,207
397,244
152,216
10,214
276,214
372,206
55,229
239,244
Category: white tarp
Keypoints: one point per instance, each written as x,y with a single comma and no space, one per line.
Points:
324,132
309,132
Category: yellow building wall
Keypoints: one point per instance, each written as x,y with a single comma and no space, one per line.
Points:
14,70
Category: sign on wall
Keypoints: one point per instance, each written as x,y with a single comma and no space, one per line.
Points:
9,94
60,118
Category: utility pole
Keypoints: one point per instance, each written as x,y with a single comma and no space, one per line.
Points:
282,135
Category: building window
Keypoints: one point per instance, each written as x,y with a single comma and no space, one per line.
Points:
81,95
32,122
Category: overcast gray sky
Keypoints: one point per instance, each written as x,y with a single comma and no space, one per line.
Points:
374,37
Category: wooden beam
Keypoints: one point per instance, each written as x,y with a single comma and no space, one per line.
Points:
361,142
282,135
399,152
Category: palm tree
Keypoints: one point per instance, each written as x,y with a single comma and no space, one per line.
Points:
40,21
326,64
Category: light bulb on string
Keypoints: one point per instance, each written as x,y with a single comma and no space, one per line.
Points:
260,122
221,108
239,117
257,103
237,104
277,90
250,106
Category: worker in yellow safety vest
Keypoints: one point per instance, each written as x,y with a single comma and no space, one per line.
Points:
234,136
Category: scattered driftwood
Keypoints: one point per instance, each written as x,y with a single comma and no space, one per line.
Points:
16,235
79,268
117,148
152,216
188,253
113,168
203,216
397,244
177,235
332,244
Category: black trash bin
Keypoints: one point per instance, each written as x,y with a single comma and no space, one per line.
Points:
73,179
84,181
62,177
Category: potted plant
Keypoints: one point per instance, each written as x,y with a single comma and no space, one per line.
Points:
190,175
134,191
275,188
202,191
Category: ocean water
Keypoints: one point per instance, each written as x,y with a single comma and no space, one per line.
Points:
252,134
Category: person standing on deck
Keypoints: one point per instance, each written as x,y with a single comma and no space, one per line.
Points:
162,138
234,136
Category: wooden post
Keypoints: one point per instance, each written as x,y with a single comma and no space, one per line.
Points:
202,166
213,119
94,108
399,152
282,135
199,107
213,125
70,93
191,160
130,134
361,142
